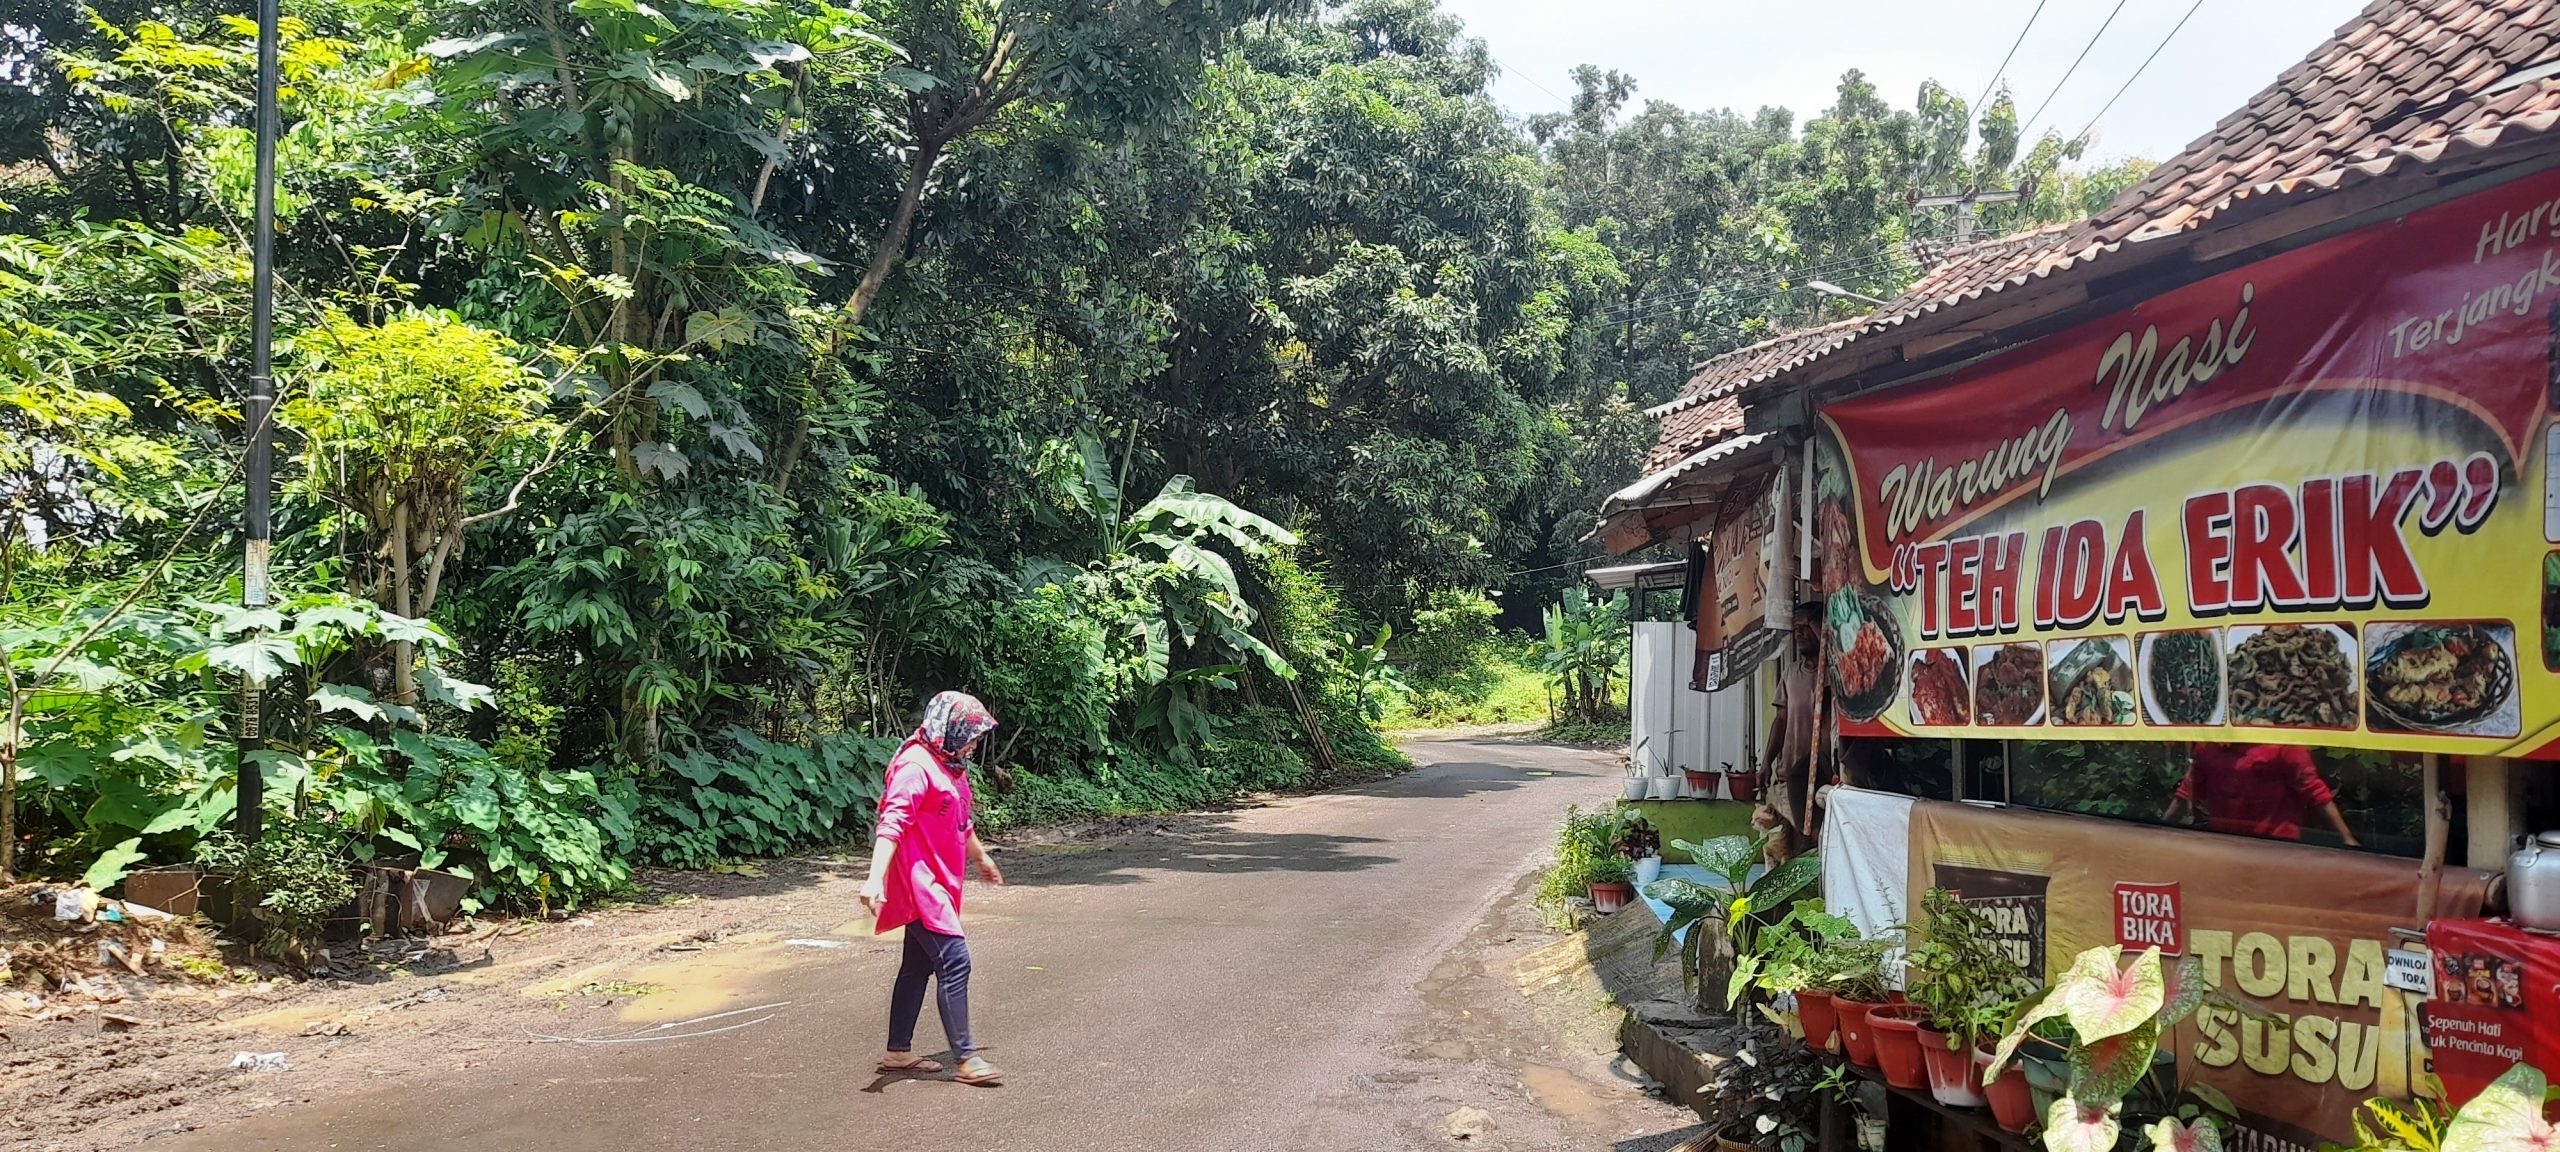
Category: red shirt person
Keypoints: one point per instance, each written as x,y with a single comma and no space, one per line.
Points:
2262,790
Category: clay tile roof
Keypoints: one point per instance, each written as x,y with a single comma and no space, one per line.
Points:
1708,411
1687,431
1968,273
2405,82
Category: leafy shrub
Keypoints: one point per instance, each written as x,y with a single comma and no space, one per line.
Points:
1452,637
530,838
755,798
301,865
1586,854
1042,670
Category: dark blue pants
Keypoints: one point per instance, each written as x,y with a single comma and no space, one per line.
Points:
945,960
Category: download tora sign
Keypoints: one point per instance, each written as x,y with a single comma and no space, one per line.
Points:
2293,503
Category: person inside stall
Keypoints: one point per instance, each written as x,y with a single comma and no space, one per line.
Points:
1788,752
2261,790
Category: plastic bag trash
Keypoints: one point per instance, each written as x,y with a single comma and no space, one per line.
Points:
828,944
254,1062
73,903
128,910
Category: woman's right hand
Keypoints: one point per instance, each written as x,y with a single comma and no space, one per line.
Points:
874,893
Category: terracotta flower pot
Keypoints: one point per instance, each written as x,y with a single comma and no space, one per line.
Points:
1743,786
1702,784
1897,1039
1821,1019
2013,1104
1608,898
1951,1070
1857,1036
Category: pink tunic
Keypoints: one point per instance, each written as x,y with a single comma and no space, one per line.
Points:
926,809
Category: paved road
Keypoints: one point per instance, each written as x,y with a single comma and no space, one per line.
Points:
1329,972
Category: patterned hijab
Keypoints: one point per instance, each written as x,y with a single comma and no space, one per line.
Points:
952,721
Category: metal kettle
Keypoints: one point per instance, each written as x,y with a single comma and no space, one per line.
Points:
2533,882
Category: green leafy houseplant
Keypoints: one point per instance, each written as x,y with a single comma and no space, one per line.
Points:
1957,970
1795,954
1736,906
2383,1124
2113,1014
2507,1116
1770,1094
1586,854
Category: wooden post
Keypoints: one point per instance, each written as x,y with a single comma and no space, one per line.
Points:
2439,829
2490,806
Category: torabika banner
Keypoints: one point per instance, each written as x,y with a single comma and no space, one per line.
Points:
2293,503
2304,935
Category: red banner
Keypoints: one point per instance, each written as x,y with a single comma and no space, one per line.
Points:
2298,498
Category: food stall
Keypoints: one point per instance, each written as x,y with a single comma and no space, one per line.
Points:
2291,504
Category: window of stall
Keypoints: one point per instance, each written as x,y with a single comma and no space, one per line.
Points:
2337,797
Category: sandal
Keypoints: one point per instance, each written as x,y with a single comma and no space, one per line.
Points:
976,1071
913,1066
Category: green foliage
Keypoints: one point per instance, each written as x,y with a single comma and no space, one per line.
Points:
752,798
1586,851
2507,1116
2114,1014
1585,648
301,871
1452,635
718,381
1957,969
2383,1124
1739,909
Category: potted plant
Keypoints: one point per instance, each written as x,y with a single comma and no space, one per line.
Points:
1587,865
1634,786
1968,988
1742,785
1789,959
1895,1028
1770,1095
1610,883
2107,1015
1855,975
1729,910
1702,783
1664,787
2507,1114
1642,846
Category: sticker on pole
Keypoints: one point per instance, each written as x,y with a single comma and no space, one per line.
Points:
2408,971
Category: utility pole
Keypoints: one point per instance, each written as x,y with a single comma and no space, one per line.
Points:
1964,203
259,414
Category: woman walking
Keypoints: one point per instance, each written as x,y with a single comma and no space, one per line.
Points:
916,868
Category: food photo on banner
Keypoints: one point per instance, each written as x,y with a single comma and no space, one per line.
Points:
2294,503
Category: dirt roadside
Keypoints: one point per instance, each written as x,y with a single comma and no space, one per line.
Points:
1539,1057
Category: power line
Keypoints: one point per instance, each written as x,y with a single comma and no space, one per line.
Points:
1524,78
1976,108
2066,74
2137,72
1842,265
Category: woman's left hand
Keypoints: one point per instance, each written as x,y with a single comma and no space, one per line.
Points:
987,868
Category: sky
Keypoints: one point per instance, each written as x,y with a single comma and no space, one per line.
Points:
1703,54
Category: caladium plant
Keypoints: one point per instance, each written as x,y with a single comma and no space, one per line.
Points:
2116,1013
2505,1117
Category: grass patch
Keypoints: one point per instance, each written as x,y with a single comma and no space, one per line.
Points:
1597,734
1498,691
